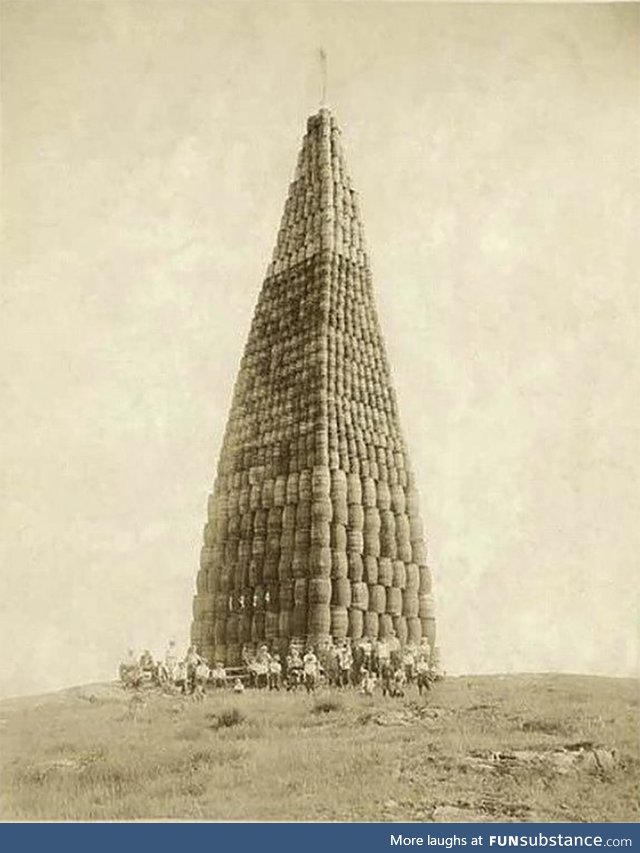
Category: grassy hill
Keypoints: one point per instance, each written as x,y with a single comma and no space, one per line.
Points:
483,748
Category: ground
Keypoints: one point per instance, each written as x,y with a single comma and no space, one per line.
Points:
522,747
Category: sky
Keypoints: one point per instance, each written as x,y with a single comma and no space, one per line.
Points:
147,149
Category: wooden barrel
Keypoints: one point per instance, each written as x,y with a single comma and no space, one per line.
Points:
377,598
319,591
429,630
319,561
414,630
410,603
399,574
299,621
356,515
371,624
401,628
356,567
412,577
284,623
339,564
426,582
341,592
339,622
385,622
319,620
271,626
426,606
300,592
394,601
356,624
385,571
359,595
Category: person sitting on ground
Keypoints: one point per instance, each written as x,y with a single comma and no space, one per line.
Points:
219,675
398,684
368,683
238,686
275,673
147,663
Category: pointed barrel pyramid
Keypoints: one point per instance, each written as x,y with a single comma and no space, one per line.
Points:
313,526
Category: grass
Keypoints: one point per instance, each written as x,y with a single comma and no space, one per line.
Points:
326,705
84,755
227,718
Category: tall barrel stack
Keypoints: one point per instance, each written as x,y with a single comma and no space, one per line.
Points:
313,526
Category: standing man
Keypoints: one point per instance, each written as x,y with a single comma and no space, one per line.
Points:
365,648
294,668
310,670
275,673
261,667
409,664
345,660
395,650
191,661
422,674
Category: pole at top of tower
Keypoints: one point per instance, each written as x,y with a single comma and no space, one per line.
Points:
323,77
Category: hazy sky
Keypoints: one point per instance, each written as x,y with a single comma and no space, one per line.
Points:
147,151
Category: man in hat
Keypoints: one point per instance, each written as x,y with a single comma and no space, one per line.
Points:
345,661
310,670
423,679
395,650
294,668
191,661
409,663
261,667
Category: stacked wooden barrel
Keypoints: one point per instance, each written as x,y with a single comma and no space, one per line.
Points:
313,526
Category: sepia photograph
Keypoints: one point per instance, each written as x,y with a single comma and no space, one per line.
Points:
320,411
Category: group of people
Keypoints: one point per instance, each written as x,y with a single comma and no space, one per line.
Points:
364,665
188,674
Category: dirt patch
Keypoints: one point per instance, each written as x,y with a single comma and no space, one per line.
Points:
571,758
483,811
459,814
547,727
406,716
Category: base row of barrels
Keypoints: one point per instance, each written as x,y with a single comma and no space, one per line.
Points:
224,640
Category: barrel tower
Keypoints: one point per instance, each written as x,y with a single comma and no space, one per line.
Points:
313,525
